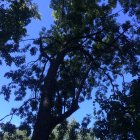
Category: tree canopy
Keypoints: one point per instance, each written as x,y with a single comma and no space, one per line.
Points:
11,132
86,47
119,115
73,130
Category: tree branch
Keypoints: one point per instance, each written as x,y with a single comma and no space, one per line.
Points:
98,67
69,112
12,114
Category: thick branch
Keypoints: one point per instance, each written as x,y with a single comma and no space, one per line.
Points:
68,113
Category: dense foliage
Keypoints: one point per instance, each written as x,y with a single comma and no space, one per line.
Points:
73,130
14,17
87,47
11,132
119,115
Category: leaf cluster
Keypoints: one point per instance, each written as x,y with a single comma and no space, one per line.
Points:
118,115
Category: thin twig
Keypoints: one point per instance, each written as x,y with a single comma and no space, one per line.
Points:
12,114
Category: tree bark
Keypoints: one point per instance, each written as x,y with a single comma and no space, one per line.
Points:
42,131
44,124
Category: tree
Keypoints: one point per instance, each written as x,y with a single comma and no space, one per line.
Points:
10,132
119,115
85,48
73,130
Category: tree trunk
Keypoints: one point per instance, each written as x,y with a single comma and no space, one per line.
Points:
42,132
44,124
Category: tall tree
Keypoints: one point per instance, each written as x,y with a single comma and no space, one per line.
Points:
85,48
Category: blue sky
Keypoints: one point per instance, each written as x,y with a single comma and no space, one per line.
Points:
33,30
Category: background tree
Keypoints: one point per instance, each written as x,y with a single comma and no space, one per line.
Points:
11,132
73,130
85,48
65,131
119,115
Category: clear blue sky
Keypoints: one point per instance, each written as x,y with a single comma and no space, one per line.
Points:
33,30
